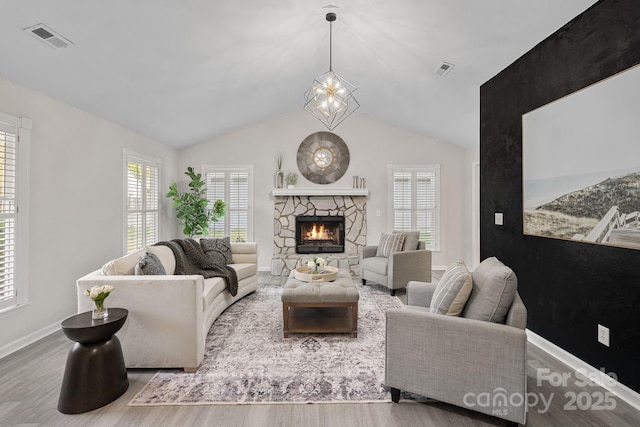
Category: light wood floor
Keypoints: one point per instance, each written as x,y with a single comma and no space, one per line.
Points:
30,382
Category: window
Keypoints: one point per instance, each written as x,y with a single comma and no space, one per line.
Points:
415,201
234,186
14,141
142,178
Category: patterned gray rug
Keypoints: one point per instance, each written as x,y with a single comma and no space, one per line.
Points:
247,360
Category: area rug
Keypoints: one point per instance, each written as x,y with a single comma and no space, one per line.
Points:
247,360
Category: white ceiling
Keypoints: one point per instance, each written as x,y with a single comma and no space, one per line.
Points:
184,71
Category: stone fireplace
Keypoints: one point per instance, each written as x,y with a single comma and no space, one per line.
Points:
318,234
289,205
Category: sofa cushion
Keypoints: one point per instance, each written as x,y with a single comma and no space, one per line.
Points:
218,250
452,291
166,257
411,239
390,243
245,270
213,287
494,287
377,264
123,266
149,265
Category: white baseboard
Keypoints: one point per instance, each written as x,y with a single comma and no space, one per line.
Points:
614,387
21,343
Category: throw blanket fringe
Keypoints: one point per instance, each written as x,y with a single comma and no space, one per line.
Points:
191,259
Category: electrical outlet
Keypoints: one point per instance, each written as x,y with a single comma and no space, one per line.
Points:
603,335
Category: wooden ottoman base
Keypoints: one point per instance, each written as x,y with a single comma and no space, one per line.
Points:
320,307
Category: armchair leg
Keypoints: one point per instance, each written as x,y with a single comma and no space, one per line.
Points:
395,395
392,292
364,282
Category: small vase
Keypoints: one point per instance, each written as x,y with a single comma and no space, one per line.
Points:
279,179
99,311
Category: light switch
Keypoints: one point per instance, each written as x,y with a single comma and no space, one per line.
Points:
498,218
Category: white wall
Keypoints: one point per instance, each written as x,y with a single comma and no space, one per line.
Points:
372,145
472,156
76,203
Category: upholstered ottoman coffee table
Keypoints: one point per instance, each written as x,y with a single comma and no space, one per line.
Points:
319,306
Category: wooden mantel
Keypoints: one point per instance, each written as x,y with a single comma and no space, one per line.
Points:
319,191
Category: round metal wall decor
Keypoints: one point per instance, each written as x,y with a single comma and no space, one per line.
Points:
323,157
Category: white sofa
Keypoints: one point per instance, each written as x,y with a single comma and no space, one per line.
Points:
169,315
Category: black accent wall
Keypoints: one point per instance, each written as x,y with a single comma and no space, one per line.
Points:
568,287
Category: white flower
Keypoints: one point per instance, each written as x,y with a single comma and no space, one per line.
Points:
98,292
321,261
311,264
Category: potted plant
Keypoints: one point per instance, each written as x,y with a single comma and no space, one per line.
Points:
192,206
292,179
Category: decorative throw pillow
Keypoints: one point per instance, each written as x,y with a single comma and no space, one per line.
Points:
149,265
494,288
123,266
218,250
452,291
389,243
411,239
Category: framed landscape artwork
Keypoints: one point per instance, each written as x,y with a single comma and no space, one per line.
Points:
581,165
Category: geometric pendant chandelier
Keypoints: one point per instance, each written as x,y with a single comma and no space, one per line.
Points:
330,98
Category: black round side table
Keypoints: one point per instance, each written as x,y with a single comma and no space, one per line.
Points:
95,373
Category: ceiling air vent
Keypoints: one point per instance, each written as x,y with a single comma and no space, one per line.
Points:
48,36
444,68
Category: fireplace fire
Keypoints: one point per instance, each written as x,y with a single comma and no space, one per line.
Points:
316,234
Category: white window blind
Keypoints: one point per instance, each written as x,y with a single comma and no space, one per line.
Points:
8,215
414,199
232,185
142,177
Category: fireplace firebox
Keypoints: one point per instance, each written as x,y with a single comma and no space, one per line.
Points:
316,234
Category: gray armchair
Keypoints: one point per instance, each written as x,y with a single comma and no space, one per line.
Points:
395,271
475,364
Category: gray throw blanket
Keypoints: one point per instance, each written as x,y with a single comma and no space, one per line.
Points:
191,259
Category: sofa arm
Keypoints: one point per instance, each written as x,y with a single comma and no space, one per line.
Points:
409,265
420,293
165,325
517,315
244,252
453,359
368,252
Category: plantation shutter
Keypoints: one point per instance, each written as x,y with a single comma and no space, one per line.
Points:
426,206
238,209
142,203
415,202
8,215
402,200
216,184
134,206
151,207
232,186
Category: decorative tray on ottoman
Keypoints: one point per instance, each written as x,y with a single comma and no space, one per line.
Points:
326,274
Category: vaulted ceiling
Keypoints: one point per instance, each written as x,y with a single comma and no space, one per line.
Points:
184,71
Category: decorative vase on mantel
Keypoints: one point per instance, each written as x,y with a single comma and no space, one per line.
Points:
279,179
